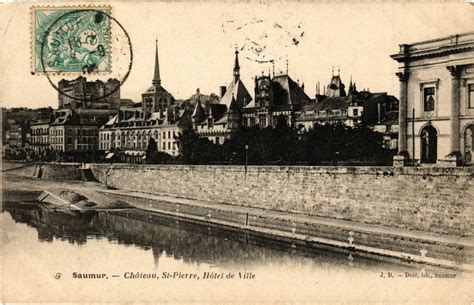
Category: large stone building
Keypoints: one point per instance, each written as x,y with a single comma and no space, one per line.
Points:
436,100
125,137
277,97
280,99
79,93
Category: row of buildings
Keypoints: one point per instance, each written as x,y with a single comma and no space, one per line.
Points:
433,123
276,98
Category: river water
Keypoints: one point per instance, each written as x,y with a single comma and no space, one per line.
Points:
136,256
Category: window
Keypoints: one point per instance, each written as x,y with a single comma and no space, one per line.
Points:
355,112
217,140
252,122
428,98
471,95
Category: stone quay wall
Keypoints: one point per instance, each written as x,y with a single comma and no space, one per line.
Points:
59,171
436,200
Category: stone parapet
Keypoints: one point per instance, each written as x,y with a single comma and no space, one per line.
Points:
429,199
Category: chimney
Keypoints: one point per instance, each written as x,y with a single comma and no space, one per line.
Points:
223,90
198,92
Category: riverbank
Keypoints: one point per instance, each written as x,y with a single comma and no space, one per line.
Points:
17,188
451,249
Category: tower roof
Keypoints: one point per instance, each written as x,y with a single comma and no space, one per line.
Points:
336,87
236,90
287,92
236,64
156,75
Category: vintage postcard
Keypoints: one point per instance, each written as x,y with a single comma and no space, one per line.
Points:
239,152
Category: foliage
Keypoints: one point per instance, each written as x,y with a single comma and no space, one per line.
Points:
322,144
196,150
153,156
279,145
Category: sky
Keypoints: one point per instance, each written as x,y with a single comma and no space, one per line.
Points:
197,42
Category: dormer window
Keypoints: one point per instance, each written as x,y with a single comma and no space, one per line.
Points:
210,122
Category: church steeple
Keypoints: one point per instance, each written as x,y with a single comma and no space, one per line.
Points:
156,75
236,66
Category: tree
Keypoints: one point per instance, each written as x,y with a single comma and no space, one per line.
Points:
151,151
153,156
196,150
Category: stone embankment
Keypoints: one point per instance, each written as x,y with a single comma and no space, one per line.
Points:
58,171
437,200
421,214
418,214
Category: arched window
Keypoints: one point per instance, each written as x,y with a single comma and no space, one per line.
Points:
144,139
429,145
468,141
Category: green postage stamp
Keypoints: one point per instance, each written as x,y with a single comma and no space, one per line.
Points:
71,39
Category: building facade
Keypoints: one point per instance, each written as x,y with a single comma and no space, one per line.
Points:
436,101
276,98
126,136
378,111
73,136
40,136
18,135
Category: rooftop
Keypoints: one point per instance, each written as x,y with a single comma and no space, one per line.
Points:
457,43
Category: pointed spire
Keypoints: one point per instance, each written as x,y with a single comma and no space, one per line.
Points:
236,66
156,75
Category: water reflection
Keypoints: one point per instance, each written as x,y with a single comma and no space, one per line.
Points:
180,240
